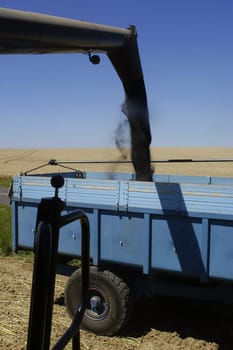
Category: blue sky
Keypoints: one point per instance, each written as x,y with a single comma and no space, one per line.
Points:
186,51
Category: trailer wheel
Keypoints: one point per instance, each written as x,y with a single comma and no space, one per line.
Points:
109,301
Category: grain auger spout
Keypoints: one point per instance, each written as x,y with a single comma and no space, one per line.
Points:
32,33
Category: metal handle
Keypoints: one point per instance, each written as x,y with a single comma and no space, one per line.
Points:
73,330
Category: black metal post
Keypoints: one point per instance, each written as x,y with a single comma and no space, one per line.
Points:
46,247
49,221
40,288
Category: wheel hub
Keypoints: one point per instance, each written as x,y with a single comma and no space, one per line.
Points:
96,304
97,307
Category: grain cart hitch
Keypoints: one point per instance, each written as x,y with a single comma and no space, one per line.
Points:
48,223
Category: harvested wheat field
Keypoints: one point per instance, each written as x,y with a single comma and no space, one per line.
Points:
159,324
14,161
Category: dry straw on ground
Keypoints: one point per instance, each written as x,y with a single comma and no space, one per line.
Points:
161,324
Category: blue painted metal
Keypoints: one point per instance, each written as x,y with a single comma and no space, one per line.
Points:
174,225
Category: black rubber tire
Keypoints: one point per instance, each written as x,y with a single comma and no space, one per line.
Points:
113,296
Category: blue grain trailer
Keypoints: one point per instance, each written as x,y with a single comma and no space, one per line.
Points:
171,236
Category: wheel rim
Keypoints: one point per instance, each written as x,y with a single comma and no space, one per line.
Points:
98,307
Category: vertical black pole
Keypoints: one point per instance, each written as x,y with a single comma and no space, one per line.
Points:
49,221
58,206
40,284
46,248
76,341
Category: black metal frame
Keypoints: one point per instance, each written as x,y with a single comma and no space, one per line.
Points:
49,221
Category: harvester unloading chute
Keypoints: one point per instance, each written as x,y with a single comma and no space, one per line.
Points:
32,33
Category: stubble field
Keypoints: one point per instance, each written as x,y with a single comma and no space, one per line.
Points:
14,161
161,324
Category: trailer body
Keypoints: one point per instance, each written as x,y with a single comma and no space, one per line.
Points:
176,224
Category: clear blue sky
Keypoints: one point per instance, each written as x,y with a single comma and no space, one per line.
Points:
186,49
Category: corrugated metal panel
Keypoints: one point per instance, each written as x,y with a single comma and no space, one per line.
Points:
93,192
190,179
153,196
34,188
181,197
199,197
207,199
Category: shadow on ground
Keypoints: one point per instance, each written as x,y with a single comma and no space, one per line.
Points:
201,320
209,321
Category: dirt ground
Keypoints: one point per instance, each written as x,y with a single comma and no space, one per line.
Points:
159,324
